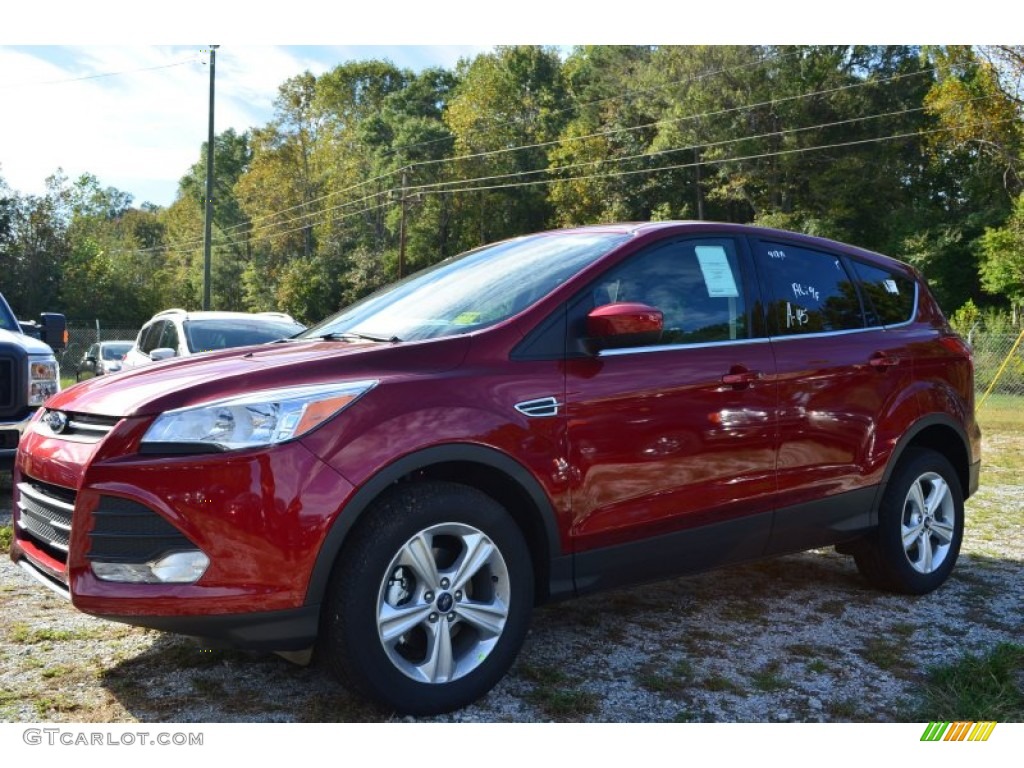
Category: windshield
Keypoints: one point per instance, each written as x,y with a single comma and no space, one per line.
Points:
210,334
115,351
470,291
7,319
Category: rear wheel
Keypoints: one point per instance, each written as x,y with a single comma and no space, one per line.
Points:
430,600
920,526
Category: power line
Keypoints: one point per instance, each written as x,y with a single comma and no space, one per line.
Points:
323,215
100,75
598,134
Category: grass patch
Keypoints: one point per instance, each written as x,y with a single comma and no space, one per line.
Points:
722,684
985,687
23,633
768,679
884,654
564,703
59,670
6,535
1002,413
842,709
50,704
671,682
552,696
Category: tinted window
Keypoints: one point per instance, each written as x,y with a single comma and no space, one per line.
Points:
207,335
889,295
808,291
150,337
696,284
169,338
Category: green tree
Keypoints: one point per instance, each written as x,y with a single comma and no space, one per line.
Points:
1002,260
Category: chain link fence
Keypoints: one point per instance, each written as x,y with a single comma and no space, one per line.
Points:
79,341
998,359
998,363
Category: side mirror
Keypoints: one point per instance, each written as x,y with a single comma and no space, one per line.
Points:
624,324
161,353
53,330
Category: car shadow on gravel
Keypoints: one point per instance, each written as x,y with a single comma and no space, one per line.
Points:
177,679
799,638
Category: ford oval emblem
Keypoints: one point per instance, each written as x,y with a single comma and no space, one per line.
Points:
57,421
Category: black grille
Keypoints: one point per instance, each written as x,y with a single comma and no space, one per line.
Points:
127,532
44,516
7,385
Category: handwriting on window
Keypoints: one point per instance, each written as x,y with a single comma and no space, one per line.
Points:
796,317
801,291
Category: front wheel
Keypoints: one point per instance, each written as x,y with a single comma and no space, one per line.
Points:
920,527
430,600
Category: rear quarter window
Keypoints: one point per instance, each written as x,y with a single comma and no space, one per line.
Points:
889,295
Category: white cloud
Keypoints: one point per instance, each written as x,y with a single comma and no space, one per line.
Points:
136,116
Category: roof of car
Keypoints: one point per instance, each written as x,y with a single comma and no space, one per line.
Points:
639,228
223,315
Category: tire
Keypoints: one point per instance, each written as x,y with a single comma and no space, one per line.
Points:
430,599
920,526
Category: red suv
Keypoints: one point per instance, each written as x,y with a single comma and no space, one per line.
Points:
539,418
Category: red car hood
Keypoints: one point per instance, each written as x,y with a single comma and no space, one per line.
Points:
190,381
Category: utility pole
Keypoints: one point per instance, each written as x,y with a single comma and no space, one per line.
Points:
700,197
209,188
401,230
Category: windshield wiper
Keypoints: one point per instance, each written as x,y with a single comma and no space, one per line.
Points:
353,336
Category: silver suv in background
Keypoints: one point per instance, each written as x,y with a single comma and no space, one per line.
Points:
178,333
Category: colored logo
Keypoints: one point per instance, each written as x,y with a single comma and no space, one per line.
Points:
958,731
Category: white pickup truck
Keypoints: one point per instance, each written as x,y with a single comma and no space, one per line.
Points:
28,372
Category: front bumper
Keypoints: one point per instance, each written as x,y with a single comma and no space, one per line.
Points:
260,516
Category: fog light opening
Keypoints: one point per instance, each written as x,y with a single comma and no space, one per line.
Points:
174,568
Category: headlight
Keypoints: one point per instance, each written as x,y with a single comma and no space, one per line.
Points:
260,418
43,380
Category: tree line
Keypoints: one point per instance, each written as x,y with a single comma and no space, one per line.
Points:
369,172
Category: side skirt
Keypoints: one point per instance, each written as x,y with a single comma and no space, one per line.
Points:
833,520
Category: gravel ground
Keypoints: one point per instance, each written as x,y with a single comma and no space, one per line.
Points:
799,638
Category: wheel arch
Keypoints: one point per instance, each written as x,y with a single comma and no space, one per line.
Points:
943,435
499,476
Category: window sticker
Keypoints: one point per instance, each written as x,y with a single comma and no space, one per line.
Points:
718,277
891,287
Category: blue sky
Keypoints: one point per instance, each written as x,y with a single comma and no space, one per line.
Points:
136,116
101,87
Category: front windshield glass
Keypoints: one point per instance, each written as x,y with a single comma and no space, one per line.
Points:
221,333
470,291
115,351
7,320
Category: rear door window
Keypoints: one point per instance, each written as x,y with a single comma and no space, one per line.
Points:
809,291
